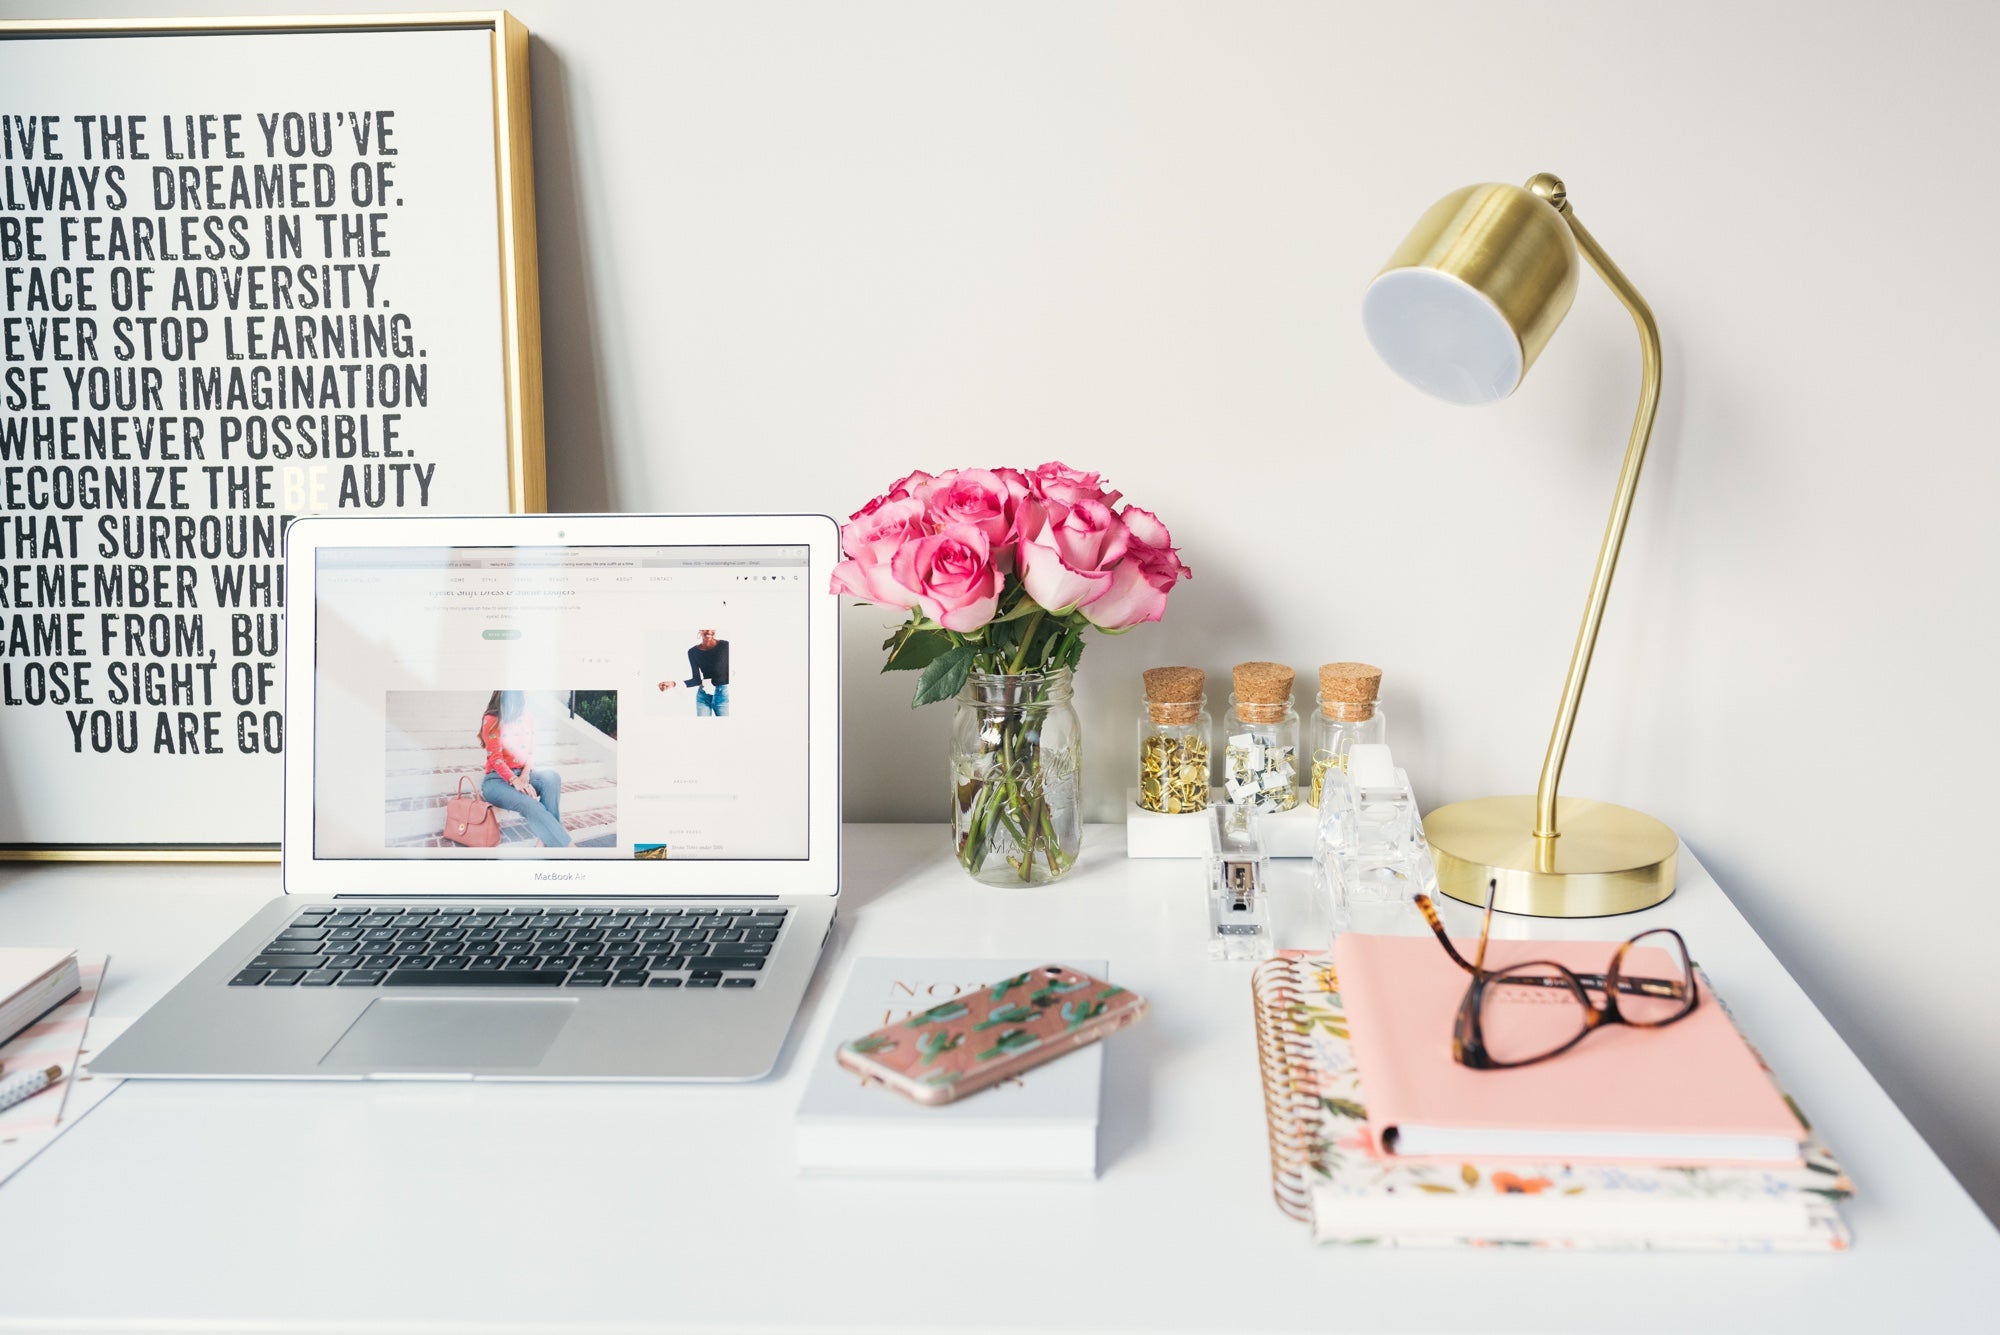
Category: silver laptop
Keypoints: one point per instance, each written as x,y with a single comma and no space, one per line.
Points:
562,801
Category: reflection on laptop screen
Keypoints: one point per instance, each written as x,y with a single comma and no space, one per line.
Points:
560,702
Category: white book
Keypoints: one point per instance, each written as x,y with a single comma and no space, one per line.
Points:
33,982
1042,1124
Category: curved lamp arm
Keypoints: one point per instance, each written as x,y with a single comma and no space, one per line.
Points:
1549,188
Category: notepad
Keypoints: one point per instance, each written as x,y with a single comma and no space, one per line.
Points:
33,982
1689,1093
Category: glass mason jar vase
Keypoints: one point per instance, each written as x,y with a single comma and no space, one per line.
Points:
1016,777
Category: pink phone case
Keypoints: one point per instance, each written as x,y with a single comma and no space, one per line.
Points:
982,1037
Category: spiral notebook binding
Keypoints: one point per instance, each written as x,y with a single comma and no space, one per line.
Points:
1291,1096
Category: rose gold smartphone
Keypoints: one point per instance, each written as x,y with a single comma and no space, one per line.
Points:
982,1037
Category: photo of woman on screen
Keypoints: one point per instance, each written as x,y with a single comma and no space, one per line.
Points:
512,782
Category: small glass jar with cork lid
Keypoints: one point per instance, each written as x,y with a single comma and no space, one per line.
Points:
1347,715
1261,758
1173,741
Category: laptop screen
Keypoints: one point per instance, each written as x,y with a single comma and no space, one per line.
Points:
561,702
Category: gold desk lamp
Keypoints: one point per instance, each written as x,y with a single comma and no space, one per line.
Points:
1461,311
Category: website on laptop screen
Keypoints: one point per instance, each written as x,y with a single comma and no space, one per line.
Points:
560,702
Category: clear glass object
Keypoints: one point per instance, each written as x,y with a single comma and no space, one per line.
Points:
1370,852
1173,742
1016,771
1345,715
1239,880
1260,766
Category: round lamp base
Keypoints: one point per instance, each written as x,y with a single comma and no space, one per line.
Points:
1607,860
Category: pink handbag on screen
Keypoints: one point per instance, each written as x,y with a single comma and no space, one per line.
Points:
470,820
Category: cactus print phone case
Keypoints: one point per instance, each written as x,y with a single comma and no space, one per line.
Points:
981,1037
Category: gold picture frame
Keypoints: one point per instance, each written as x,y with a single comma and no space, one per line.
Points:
518,334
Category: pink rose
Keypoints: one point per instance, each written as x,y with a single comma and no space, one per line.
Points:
1070,557
953,575
983,499
1141,582
871,540
1062,486
906,486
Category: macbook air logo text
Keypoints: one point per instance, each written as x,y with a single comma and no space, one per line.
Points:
558,875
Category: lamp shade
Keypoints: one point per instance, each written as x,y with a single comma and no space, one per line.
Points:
1469,299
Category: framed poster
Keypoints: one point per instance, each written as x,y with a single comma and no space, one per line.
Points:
251,269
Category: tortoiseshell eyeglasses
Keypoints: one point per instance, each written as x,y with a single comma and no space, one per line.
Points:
1528,1012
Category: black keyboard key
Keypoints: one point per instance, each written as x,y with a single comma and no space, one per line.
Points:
483,964
775,915
739,982
588,978
344,934
734,964
629,978
250,977
361,977
379,934
410,948
292,948
284,977
726,934
378,920
378,962
705,980
704,971
665,982
447,965
285,962
410,961
344,962
525,978
765,934
303,934
320,978
420,913
344,920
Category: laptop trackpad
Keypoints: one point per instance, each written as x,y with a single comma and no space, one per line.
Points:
449,1035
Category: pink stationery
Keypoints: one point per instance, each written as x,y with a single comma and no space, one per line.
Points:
1691,1092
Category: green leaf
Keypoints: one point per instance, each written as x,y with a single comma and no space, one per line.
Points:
913,649
944,676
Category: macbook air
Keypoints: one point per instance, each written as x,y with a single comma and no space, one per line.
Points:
562,801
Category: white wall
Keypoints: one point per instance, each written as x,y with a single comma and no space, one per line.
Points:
791,250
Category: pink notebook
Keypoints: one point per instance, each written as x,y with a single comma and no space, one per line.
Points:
1689,1093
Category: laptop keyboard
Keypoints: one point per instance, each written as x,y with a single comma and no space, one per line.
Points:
393,946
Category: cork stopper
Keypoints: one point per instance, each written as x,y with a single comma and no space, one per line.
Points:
1348,690
1263,690
1173,694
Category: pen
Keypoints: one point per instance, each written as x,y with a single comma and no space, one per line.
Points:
25,1085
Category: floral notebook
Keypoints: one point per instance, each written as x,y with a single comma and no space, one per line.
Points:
1323,1171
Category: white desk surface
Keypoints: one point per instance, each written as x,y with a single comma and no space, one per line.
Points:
410,1207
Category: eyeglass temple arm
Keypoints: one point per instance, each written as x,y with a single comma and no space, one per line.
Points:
1430,913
